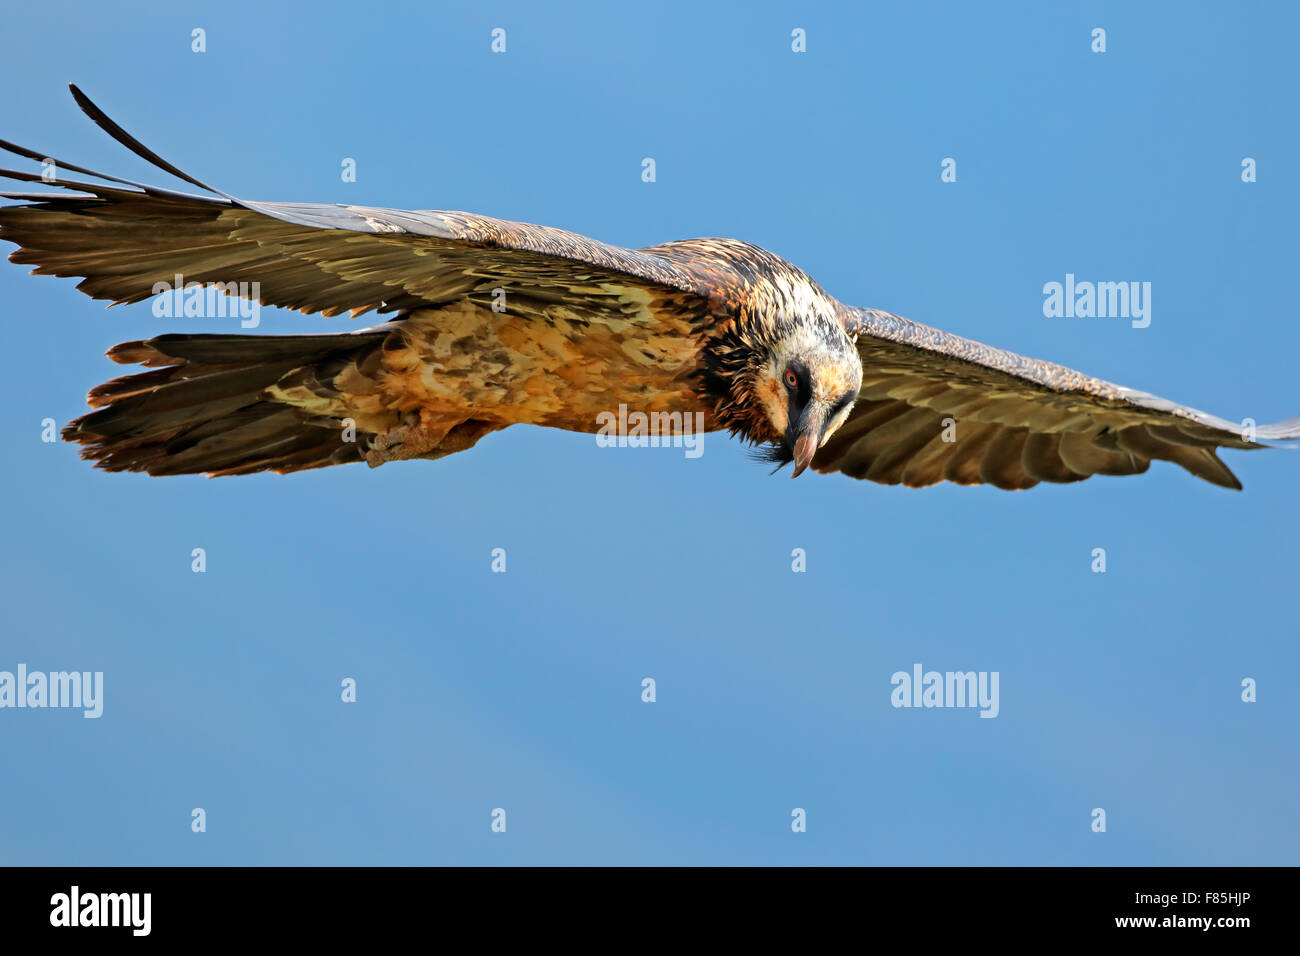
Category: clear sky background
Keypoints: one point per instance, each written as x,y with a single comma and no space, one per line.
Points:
522,690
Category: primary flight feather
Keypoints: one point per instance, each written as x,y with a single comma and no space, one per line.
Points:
494,323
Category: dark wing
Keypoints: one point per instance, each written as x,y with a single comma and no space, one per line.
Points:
935,406
314,258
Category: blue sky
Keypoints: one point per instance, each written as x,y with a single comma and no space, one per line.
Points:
522,690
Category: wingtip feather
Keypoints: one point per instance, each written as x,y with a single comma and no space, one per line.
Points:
109,126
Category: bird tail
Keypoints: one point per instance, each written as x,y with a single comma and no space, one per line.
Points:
215,404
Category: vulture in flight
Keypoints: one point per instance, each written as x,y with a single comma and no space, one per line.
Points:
492,323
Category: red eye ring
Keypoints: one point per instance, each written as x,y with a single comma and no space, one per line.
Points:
791,379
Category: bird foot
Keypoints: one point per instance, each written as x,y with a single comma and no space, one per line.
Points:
402,442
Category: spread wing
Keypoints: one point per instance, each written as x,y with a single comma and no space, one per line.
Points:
313,258
936,406
237,404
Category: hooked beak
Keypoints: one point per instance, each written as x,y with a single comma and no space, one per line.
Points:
807,436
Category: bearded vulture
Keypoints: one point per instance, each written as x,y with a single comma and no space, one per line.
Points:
492,323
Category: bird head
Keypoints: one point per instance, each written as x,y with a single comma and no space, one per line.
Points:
787,383
805,381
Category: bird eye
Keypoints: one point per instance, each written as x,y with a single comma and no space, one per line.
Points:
791,380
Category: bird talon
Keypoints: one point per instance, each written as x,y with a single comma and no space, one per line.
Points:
404,441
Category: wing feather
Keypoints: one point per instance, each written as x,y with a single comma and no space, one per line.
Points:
1018,420
963,465
329,259
1041,459
1000,464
